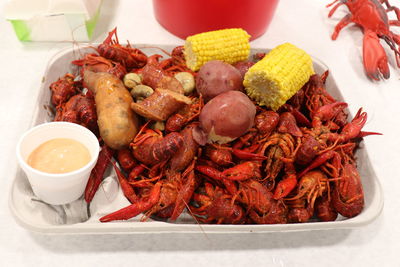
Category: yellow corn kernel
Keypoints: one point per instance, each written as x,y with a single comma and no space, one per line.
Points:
228,45
278,76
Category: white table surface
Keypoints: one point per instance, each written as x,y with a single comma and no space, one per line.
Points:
301,22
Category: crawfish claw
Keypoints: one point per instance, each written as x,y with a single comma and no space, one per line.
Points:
327,112
353,129
374,57
321,159
136,208
284,187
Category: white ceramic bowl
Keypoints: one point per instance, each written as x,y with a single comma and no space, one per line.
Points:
60,188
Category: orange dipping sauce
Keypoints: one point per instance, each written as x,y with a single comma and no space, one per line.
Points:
59,155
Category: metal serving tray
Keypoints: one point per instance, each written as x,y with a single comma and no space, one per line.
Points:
37,216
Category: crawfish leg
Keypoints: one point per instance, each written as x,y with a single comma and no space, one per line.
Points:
392,8
342,23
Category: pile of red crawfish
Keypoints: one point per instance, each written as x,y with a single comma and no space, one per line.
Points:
293,165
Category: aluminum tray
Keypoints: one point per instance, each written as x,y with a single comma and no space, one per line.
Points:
71,219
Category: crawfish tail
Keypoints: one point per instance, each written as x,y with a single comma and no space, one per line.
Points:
167,146
96,175
220,156
186,153
175,123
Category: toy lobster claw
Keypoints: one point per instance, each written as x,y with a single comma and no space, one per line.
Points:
372,17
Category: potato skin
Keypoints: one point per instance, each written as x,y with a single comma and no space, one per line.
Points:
227,116
117,122
216,77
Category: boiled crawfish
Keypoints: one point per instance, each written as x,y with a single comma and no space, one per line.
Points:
310,186
63,89
175,180
79,109
320,138
348,194
127,56
280,150
371,16
98,63
166,198
213,204
150,147
316,96
261,206
266,122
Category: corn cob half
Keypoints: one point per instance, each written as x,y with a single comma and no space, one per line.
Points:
278,76
229,45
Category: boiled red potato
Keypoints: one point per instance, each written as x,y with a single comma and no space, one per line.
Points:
216,77
227,117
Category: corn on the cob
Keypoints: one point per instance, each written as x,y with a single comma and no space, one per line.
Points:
229,45
278,76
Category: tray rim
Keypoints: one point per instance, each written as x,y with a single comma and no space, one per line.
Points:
165,227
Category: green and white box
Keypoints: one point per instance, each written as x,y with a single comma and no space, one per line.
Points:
53,20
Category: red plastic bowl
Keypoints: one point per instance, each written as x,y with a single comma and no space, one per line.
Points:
187,17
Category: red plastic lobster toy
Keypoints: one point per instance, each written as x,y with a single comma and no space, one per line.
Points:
371,16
